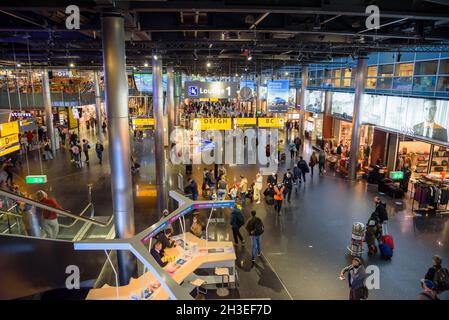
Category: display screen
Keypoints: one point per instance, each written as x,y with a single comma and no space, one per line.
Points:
428,118
343,105
314,101
144,82
278,96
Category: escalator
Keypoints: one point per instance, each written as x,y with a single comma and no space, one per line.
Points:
36,267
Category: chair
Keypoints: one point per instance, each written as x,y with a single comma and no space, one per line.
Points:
223,272
198,283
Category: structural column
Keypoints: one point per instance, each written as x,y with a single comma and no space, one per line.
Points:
356,117
116,94
48,110
98,106
302,115
170,100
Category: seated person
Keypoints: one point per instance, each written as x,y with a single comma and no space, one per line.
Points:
196,228
164,238
157,254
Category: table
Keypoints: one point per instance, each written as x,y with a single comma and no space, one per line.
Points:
202,259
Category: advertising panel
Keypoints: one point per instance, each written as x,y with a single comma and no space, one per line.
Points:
278,96
314,101
427,118
343,105
210,90
144,82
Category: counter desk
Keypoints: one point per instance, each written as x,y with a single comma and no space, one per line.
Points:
200,254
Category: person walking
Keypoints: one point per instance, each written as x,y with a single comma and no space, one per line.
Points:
297,144
99,150
258,187
86,148
243,190
321,162
292,149
193,189
237,221
438,275
302,165
312,162
76,155
288,183
278,197
8,167
255,229
222,188
196,228
49,222
356,279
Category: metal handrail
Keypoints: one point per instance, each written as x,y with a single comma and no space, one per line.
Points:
80,215
49,208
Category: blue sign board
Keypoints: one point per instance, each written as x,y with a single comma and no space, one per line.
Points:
144,82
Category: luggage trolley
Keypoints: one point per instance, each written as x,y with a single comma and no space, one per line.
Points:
358,234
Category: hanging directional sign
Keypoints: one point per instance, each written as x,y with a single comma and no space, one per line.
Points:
271,122
9,128
212,124
143,122
210,90
36,179
8,141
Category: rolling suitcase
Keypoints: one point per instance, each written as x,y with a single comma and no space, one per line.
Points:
385,251
388,239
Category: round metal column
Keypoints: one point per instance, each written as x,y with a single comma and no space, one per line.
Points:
116,97
302,114
170,99
98,106
356,119
48,110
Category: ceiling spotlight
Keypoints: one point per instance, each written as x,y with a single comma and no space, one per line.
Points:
208,64
72,65
19,65
236,74
286,73
134,68
155,57
145,64
250,58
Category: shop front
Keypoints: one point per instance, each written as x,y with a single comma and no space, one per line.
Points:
314,110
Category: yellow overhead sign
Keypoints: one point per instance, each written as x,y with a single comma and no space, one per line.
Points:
9,140
143,122
9,150
9,128
212,124
245,121
271,122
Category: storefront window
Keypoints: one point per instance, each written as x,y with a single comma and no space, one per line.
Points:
403,70
443,84
424,83
386,70
384,83
426,68
402,83
444,67
320,74
336,82
337,73
372,72
371,83
327,73
346,82
347,72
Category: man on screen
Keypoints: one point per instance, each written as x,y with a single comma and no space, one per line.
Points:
429,128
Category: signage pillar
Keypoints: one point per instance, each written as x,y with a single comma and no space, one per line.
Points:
356,118
302,103
170,100
98,106
116,97
177,94
327,116
48,110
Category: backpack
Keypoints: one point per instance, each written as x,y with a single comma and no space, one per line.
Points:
240,219
258,227
441,279
296,173
383,214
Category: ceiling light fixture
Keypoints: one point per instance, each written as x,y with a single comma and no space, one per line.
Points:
155,57
145,64
250,58
19,65
72,65
208,64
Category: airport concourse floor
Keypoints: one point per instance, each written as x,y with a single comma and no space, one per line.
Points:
303,249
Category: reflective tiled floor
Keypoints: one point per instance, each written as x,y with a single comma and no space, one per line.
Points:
303,249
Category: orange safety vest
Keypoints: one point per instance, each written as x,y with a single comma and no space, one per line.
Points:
279,194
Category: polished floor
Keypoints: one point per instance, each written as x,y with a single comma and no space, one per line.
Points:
303,249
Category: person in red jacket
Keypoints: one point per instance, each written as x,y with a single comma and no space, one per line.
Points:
49,222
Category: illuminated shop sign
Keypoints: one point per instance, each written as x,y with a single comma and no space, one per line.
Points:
20,114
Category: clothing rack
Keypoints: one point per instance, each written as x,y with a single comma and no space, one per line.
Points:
431,193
